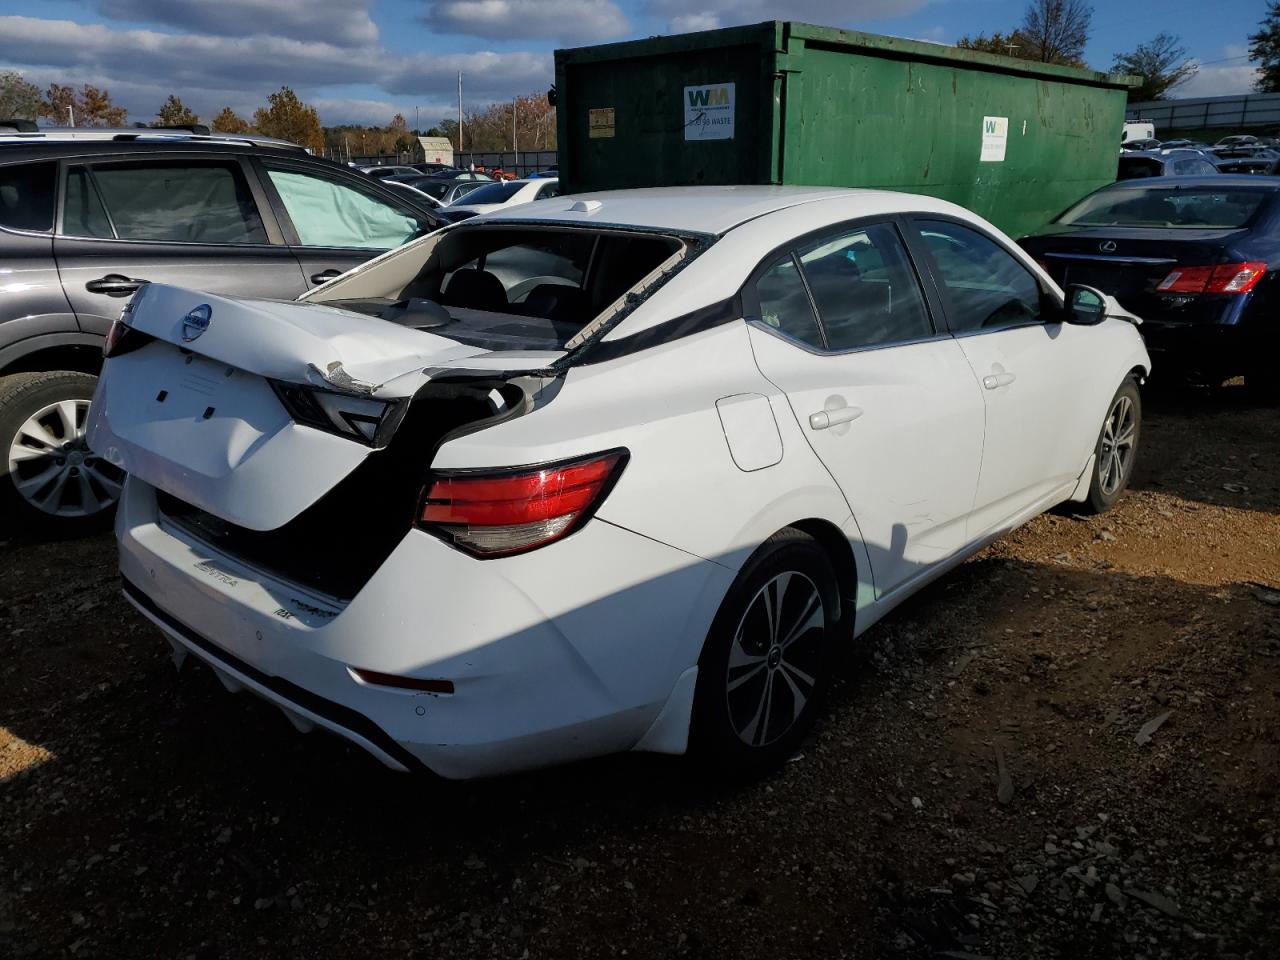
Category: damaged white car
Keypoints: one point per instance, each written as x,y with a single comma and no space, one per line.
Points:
616,472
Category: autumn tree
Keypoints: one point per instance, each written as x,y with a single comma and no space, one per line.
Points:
1264,50
1057,30
288,118
97,110
175,113
1162,64
19,100
60,104
228,121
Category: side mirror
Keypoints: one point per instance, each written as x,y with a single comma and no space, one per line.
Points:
1085,305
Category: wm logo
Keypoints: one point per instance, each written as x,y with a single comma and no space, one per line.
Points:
709,98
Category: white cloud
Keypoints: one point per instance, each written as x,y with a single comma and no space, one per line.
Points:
691,22
570,20
729,12
141,67
1217,80
340,22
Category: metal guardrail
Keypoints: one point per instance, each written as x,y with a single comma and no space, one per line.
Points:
1246,110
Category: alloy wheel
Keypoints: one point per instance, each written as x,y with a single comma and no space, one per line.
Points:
52,467
1116,455
775,659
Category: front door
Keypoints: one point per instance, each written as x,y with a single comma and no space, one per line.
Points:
888,404
1031,369
177,220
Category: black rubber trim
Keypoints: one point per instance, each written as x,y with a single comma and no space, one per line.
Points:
344,717
704,318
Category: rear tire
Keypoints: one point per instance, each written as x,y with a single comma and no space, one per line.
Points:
765,665
49,479
1117,449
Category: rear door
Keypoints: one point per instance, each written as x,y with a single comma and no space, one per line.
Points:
1032,369
886,400
333,220
187,220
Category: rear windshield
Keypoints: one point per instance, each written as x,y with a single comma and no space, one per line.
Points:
1192,208
495,193
26,196
515,288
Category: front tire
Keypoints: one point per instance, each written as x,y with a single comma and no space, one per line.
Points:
49,478
765,664
1117,448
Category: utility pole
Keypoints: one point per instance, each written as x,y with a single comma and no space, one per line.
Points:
515,148
71,115
416,126
459,115
1010,47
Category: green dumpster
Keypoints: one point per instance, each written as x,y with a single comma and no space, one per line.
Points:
1013,140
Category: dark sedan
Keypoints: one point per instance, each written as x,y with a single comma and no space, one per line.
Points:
1194,257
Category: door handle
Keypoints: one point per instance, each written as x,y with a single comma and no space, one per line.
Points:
994,381
829,418
114,283
324,276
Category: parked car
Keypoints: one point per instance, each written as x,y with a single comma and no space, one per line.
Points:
613,472
388,171
478,175
552,174
443,191
1242,140
500,196
1195,257
86,222
1164,163
432,167
1149,143
411,191
1263,163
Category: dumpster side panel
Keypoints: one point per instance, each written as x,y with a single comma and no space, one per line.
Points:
872,121
648,144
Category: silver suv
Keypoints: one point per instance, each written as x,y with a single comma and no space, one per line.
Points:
87,217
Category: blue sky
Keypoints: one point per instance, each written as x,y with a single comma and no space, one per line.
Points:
362,60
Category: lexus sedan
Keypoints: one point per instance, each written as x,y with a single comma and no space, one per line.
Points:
1195,257
603,473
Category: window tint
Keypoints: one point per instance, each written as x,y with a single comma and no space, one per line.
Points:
1166,207
169,202
327,213
83,214
495,192
26,196
784,303
865,289
550,190
988,288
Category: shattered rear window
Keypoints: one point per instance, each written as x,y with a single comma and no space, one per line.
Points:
519,288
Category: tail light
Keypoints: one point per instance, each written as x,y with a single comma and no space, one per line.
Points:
504,512
1224,278
122,339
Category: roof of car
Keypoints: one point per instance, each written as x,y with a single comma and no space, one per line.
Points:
712,210
20,150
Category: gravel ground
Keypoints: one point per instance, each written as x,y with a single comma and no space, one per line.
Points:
1067,748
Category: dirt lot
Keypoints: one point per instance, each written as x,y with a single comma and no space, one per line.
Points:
147,815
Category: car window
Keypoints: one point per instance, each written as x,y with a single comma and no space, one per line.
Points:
865,290
1168,207
169,202
329,213
785,304
552,189
987,287
26,196
495,192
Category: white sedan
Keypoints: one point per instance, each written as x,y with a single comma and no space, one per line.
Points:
506,193
606,473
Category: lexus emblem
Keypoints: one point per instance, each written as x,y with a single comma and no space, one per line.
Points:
196,322
1107,246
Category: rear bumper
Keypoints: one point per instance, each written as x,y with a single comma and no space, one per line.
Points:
1209,348
569,652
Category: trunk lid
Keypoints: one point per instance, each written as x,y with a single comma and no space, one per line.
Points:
1129,263
213,406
